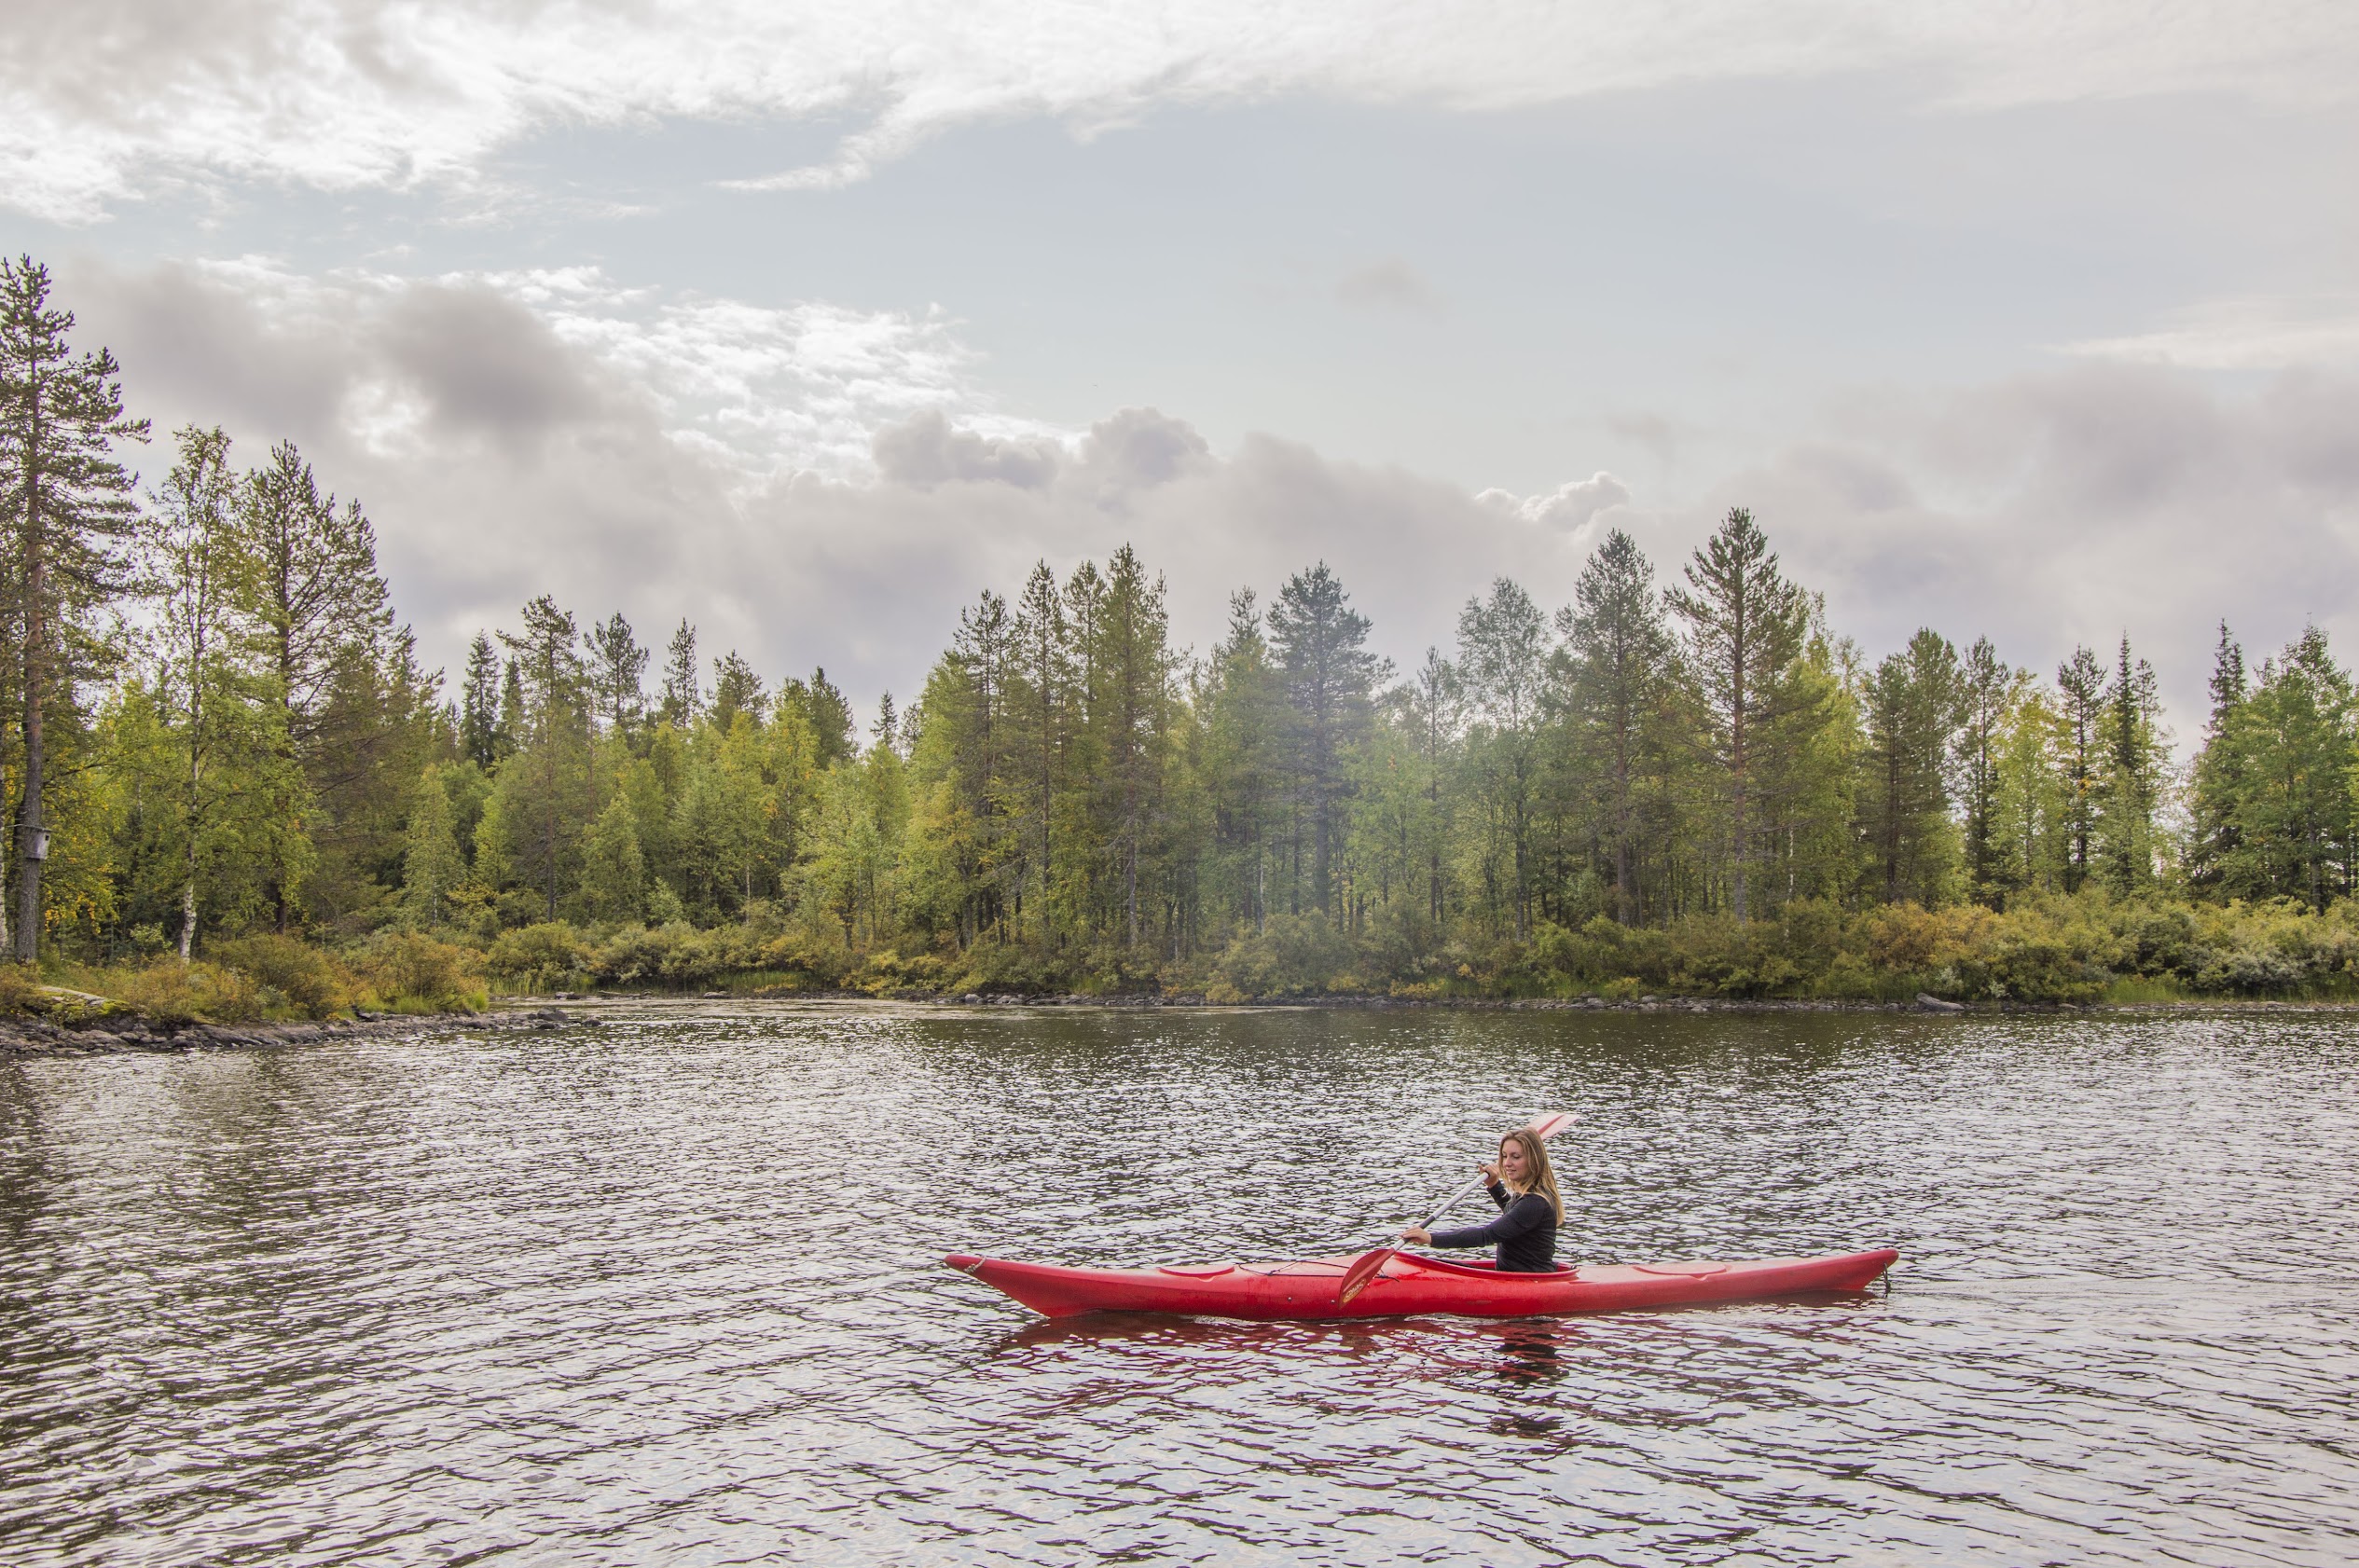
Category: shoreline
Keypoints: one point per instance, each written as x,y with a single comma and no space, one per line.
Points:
543,1013
118,1036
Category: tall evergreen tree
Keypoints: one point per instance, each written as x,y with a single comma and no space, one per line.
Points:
1988,694
1503,648
682,697
1913,708
1329,678
2213,840
67,505
617,673
2136,754
1746,626
483,740
1622,664
735,689
2080,692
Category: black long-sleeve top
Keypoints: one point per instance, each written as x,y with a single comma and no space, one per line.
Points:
1524,1232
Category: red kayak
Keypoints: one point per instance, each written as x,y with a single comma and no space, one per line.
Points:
1411,1284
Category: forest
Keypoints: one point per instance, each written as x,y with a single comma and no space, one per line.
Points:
232,788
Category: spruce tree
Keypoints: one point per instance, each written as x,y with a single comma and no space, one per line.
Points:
432,864
480,735
614,870
67,505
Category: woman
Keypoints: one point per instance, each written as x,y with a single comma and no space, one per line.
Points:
1524,1186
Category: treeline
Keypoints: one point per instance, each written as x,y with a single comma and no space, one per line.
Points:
222,731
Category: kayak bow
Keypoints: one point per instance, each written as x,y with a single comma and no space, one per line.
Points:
1409,1283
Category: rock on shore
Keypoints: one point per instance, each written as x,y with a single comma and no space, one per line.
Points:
34,1036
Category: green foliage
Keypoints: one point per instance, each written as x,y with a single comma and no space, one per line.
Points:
172,991
412,972
1706,790
302,977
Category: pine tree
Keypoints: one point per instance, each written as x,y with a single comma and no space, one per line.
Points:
199,574
1746,626
1989,694
2135,756
548,661
683,699
1503,648
1328,678
346,691
618,671
735,689
1135,717
68,509
1914,705
2080,690
1622,664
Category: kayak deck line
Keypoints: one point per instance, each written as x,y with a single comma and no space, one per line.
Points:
1408,1284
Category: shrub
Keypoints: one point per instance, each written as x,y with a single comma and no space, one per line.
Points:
534,955
312,980
20,990
172,991
413,973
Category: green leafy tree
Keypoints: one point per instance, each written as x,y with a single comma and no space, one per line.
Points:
614,872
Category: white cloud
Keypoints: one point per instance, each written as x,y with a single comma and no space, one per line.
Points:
2266,333
110,99
759,393
1570,507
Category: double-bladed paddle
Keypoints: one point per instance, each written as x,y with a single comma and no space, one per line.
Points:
1365,1266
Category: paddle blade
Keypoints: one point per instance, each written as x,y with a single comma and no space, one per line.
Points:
1363,1268
1548,1126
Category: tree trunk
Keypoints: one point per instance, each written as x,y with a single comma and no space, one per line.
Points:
30,850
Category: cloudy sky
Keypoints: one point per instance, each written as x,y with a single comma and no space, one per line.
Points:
808,321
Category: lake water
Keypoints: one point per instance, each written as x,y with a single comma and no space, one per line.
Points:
668,1291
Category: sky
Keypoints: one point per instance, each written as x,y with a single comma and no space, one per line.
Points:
807,322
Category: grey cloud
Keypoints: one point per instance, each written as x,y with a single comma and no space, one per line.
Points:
485,365
2075,507
1140,447
2044,511
1390,285
925,450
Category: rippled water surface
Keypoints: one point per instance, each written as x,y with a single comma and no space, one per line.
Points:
668,1291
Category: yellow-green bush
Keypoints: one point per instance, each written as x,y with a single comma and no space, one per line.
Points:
309,978
415,973
20,990
172,991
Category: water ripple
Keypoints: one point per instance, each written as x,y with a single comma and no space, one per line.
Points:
668,1291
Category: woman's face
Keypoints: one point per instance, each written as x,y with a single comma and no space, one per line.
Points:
1512,1159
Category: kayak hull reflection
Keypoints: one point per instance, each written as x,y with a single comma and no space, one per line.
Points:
1410,1283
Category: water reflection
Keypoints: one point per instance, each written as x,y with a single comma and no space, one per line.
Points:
668,1291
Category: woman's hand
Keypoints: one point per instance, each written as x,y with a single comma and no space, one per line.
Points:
1417,1235
1490,1170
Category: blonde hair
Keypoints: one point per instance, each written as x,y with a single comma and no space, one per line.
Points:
1538,1175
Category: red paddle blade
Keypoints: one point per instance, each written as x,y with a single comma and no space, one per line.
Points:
1548,1126
1363,1268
